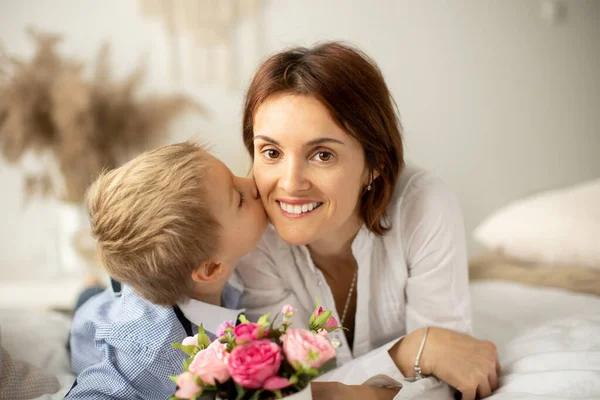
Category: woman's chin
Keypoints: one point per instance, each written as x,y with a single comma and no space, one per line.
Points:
296,237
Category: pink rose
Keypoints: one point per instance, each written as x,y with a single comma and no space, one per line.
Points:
276,383
188,387
322,332
248,332
210,364
251,364
223,326
331,322
309,349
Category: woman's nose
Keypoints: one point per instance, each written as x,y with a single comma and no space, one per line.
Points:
293,178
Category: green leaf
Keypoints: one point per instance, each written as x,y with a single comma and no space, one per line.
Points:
264,320
190,350
297,366
203,339
312,371
322,319
294,379
256,395
243,319
261,331
278,394
174,398
186,363
240,391
173,378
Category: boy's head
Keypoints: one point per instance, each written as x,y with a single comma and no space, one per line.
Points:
172,222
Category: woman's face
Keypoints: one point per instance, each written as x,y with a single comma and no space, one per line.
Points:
309,172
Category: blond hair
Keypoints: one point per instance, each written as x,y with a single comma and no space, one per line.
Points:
152,222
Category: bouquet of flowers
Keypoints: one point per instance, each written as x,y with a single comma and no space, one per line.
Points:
257,360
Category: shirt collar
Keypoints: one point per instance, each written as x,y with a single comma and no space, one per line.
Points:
362,239
210,315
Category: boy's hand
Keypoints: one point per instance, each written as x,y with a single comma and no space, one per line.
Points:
339,391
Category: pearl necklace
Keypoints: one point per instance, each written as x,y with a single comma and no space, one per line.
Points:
349,297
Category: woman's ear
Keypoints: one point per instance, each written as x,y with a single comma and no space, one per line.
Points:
374,174
207,272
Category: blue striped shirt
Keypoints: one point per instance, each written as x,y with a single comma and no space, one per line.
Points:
121,346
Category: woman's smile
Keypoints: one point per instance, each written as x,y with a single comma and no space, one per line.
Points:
298,208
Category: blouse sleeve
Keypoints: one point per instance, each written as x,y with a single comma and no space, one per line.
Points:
432,231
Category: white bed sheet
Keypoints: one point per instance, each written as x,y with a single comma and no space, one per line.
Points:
548,340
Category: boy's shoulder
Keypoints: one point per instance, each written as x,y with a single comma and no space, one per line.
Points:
128,318
121,345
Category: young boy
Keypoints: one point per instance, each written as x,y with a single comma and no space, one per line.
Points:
170,225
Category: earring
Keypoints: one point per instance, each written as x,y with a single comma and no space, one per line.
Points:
369,187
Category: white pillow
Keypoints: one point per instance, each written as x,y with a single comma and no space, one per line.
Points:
554,227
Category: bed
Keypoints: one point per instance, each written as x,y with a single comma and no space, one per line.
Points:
548,341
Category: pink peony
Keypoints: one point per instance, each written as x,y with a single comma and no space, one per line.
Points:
251,364
188,387
223,326
248,332
309,349
331,322
276,383
210,364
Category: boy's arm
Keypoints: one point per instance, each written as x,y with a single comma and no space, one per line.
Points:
128,371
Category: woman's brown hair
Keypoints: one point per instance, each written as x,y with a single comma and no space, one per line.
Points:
351,86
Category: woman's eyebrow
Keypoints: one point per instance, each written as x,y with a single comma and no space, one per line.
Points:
313,142
266,139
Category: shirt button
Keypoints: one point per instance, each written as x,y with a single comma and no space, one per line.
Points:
319,282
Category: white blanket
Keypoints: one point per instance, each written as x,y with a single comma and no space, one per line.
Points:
548,340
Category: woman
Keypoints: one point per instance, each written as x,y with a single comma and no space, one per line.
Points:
379,243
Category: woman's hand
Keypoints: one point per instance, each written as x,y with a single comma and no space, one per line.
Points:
468,364
339,391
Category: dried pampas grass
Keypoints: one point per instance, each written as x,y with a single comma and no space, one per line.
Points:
88,125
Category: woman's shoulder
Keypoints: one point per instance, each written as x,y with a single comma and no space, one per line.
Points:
419,192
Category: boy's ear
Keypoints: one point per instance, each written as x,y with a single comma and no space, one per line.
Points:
209,271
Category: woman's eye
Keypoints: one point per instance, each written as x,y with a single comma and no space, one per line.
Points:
323,156
271,154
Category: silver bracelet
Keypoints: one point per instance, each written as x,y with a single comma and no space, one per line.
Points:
418,374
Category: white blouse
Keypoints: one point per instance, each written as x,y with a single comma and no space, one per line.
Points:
414,275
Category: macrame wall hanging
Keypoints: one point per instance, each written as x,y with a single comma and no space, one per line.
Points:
210,41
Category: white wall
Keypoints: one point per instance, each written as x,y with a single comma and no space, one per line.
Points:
494,99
